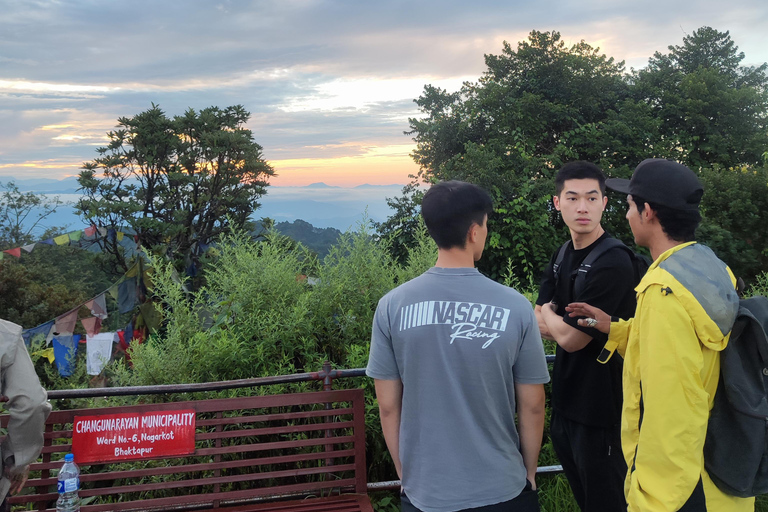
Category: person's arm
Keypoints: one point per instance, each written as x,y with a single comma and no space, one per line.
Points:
617,331
669,453
569,338
543,329
28,409
389,394
530,419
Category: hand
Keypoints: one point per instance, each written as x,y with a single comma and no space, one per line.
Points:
532,479
601,322
543,329
18,479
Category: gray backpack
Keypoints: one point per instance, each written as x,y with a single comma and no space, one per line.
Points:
736,446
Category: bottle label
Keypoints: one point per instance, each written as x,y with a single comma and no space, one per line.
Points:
69,485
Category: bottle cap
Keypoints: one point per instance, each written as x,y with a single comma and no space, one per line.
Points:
69,458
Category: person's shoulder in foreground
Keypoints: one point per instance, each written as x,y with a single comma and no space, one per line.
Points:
27,407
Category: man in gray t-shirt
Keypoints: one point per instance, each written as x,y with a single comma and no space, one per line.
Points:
454,355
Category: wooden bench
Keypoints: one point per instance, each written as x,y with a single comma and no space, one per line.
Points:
293,452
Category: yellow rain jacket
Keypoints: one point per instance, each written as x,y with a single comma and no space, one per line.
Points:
686,305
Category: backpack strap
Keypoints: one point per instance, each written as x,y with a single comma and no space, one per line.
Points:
605,245
559,260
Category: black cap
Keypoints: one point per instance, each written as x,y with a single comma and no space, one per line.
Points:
662,182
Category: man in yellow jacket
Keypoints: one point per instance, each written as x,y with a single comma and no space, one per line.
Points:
686,306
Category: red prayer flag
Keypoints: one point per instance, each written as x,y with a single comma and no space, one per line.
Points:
14,252
91,325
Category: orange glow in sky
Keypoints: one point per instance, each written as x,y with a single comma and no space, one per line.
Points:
380,166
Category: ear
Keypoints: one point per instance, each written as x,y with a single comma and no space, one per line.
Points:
472,233
648,213
605,201
556,202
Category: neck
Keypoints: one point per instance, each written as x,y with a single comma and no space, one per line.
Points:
661,244
582,240
455,258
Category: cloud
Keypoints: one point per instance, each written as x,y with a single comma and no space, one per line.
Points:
327,81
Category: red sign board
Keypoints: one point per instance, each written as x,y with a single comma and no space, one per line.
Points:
116,437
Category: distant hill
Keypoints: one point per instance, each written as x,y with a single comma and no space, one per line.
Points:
319,240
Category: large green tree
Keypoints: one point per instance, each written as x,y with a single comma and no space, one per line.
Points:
176,182
544,103
536,107
711,108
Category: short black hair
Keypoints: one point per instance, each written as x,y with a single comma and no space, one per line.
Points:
450,208
579,170
679,225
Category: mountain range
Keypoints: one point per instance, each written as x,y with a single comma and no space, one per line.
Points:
320,204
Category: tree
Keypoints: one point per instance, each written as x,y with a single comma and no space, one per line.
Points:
534,108
711,109
543,104
734,208
23,213
400,229
177,183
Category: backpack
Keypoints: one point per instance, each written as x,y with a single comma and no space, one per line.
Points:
736,446
640,263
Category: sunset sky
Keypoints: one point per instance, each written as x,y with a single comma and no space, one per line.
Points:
330,84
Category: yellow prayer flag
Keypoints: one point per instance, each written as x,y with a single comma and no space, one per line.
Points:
62,239
120,235
113,291
47,353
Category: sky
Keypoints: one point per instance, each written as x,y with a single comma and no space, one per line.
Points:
330,84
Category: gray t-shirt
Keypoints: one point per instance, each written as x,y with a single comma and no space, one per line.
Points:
459,342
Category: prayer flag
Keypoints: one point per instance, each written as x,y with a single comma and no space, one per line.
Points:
75,236
62,239
14,252
91,325
29,247
98,306
65,324
47,353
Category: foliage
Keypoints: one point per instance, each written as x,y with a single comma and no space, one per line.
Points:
178,183
257,316
711,109
22,214
543,104
48,282
734,209
759,287
316,239
534,108
399,229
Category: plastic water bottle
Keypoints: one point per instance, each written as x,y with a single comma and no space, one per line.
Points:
68,486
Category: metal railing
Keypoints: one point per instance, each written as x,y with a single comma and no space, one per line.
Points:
327,375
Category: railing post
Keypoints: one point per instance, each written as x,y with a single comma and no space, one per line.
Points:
327,378
327,386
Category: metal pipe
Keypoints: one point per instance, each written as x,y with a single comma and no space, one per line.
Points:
393,485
